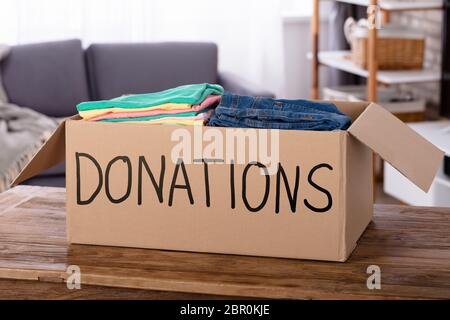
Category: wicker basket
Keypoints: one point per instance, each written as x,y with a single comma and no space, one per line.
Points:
392,53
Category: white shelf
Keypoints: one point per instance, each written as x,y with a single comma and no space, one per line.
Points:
400,5
339,60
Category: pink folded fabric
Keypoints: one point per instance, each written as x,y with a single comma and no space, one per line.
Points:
209,101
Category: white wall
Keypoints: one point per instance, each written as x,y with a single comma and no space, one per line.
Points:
297,44
281,61
248,32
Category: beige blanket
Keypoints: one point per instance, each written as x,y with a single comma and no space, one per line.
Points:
22,132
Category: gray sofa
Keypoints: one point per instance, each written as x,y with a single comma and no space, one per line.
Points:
53,77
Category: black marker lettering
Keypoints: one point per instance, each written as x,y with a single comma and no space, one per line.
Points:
186,186
232,187
129,181
244,186
205,167
78,173
158,186
292,197
326,192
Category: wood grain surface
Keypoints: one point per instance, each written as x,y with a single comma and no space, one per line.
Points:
411,245
33,290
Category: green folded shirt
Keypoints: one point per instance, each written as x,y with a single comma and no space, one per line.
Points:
190,94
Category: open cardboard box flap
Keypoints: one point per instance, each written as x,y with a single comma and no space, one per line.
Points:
407,151
51,153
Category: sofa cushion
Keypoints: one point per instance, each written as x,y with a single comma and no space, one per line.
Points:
47,77
47,181
117,69
59,169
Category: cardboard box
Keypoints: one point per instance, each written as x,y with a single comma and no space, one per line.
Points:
125,189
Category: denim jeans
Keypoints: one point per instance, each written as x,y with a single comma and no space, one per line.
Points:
266,113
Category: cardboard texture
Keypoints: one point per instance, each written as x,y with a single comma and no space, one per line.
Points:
396,143
123,189
50,154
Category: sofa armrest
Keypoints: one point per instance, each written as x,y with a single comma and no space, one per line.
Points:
236,84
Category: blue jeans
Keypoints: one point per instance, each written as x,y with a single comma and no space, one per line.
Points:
266,113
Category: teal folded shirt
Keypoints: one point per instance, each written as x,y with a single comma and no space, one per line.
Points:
190,94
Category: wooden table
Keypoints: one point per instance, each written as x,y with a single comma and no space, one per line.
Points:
411,246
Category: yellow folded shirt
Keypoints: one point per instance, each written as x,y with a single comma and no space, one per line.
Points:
166,106
172,122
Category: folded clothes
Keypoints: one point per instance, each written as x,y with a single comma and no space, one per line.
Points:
258,112
197,104
201,115
190,94
89,114
113,113
175,122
